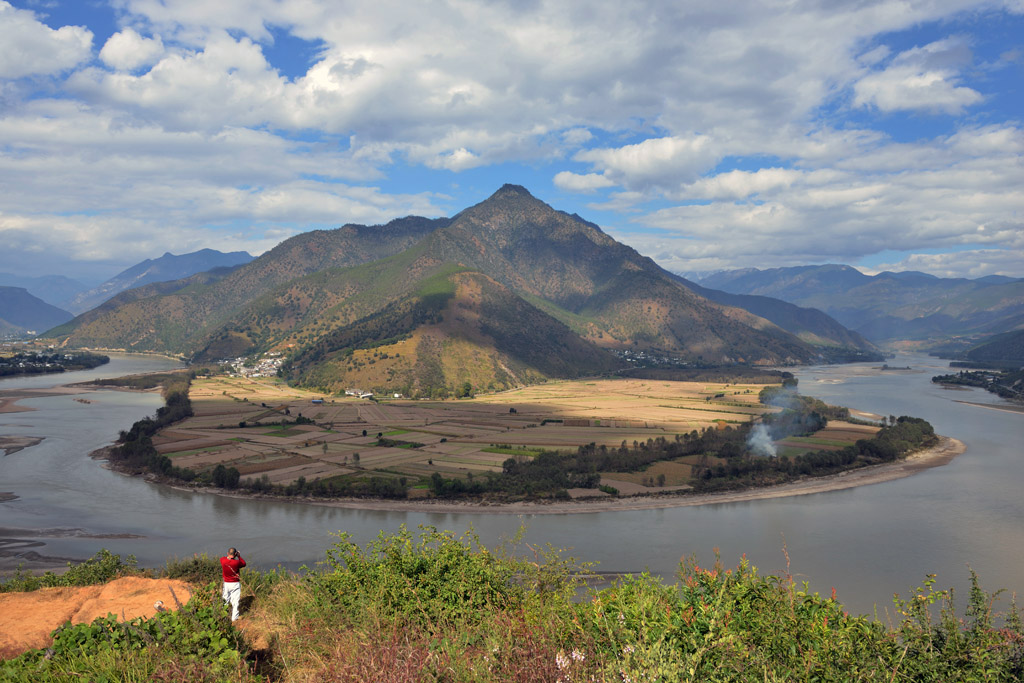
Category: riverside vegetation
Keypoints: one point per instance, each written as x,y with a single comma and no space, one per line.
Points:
41,362
439,607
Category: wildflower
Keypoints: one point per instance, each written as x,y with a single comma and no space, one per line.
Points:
561,661
628,650
622,619
577,656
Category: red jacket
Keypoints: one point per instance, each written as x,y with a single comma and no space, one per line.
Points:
230,568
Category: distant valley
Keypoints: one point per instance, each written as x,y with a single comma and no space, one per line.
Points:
946,314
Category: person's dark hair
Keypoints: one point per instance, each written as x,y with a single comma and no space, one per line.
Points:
232,551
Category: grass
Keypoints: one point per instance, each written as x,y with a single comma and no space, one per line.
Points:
508,450
435,606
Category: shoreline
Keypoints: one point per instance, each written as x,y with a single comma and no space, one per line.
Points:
936,456
21,549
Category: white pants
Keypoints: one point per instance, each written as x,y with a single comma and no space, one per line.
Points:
231,593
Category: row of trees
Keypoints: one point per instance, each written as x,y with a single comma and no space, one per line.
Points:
134,451
551,473
372,487
1004,383
893,441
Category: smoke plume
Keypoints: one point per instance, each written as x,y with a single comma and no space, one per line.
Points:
760,442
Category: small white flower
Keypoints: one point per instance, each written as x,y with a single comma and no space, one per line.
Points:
578,656
561,661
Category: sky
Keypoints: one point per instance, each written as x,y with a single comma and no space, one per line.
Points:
751,133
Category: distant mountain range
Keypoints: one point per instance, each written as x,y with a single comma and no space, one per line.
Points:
164,269
20,313
506,292
72,295
55,290
891,306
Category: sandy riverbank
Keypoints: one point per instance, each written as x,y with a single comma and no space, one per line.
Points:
1005,407
9,398
941,454
12,444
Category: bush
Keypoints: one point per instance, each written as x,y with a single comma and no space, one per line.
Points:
100,568
431,582
198,638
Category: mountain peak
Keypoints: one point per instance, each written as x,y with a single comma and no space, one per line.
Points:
510,190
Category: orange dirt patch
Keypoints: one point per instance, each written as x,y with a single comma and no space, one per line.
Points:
28,619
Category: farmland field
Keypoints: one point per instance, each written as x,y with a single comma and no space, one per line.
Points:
238,423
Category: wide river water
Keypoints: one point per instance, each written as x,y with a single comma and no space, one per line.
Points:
868,542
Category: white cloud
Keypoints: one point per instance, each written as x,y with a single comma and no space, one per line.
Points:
227,83
29,47
971,264
740,184
577,136
921,78
961,193
658,104
127,50
458,160
664,162
575,182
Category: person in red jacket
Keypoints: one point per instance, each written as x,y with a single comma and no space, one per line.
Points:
230,566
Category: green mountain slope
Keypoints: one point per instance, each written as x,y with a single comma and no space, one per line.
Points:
552,292
606,290
457,329
1002,349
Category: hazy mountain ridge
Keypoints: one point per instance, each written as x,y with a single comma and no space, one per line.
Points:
809,324
55,290
167,268
550,289
20,312
889,306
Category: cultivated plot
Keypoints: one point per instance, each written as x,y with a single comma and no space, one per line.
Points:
264,428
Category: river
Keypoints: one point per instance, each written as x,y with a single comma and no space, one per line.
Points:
868,542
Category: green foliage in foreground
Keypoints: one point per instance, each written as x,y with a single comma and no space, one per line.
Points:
441,607
100,568
196,642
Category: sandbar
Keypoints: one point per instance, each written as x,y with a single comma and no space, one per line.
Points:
9,398
1005,407
12,444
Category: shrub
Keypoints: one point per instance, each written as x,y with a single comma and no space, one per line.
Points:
100,568
430,582
198,636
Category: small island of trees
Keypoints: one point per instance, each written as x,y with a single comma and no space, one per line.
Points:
41,362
